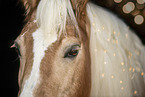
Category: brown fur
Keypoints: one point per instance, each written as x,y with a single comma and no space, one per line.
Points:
30,7
26,65
76,74
83,22
58,76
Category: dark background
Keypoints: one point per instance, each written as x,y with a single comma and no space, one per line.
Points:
12,16
12,21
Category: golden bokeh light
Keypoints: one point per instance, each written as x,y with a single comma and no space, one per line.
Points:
139,19
117,1
135,12
140,1
139,6
127,8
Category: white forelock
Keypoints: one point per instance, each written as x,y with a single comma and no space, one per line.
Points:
52,16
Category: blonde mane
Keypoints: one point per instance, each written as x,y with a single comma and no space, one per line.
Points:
117,56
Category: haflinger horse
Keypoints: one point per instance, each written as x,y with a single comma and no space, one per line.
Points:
74,48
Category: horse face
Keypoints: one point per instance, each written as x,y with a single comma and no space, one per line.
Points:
56,66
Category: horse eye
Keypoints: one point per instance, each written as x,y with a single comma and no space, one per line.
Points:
18,51
72,51
17,48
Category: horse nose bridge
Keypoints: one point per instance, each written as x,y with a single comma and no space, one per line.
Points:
32,81
34,76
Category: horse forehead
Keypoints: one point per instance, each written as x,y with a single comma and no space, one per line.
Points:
40,45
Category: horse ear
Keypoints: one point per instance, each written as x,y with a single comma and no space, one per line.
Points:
30,6
79,7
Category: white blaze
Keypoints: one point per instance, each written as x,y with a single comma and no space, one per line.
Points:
39,48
